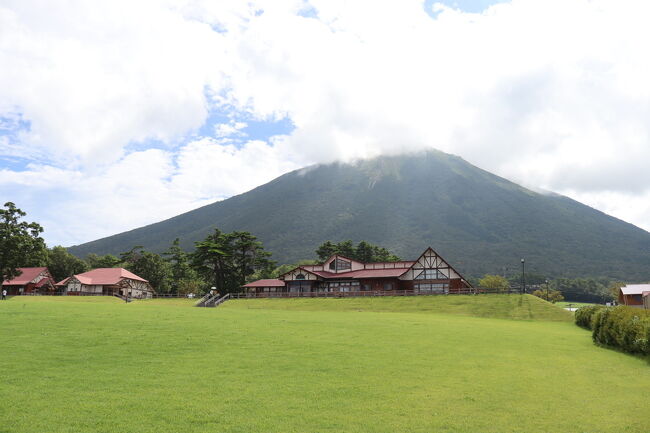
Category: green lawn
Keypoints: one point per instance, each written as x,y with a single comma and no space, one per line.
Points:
322,365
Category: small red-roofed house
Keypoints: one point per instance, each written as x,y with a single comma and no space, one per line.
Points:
107,282
30,281
264,286
632,295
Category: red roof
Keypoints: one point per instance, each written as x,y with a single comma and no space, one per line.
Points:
28,274
266,283
101,276
363,273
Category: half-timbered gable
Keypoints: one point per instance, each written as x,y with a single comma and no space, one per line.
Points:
30,281
107,281
431,273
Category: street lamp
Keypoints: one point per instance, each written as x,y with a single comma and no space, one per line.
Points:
523,275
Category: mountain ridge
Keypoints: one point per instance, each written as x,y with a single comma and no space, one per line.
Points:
478,221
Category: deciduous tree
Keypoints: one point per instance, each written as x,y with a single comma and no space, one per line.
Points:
62,264
21,244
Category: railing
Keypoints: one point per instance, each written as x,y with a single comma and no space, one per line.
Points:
221,300
371,293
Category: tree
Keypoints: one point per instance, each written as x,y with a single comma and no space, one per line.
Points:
227,260
326,250
494,282
363,252
550,295
184,279
248,256
62,264
150,266
20,242
106,261
211,259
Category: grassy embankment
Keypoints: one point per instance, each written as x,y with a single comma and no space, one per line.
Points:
402,364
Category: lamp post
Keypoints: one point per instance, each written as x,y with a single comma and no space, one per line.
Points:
523,276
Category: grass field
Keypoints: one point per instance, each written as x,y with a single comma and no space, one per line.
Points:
425,364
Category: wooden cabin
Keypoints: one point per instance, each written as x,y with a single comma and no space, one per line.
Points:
107,282
428,274
632,295
30,281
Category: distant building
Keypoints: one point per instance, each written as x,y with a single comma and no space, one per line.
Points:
646,300
108,282
429,274
30,281
632,295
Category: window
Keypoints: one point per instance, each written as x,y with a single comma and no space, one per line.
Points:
431,288
342,265
300,277
432,274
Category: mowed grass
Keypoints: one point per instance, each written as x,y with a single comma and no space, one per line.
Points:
493,306
101,365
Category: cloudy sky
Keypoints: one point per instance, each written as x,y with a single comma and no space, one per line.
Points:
118,114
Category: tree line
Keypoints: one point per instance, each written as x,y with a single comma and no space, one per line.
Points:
226,261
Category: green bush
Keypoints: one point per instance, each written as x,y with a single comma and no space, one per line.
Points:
623,327
584,315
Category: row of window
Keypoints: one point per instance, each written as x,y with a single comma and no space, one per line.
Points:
431,287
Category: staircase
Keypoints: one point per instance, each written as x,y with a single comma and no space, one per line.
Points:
124,298
212,300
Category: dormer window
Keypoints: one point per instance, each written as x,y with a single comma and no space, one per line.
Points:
340,265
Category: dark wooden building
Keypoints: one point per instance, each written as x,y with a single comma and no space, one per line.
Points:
429,274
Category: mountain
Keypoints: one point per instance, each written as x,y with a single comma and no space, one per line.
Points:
479,222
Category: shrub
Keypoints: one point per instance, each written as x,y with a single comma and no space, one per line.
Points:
623,327
585,315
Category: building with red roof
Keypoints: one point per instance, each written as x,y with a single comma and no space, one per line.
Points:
108,282
429,274
30,281
632,295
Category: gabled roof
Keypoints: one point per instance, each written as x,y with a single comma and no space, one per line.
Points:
443,259
363,273
26,277
106,276
266,283
635,289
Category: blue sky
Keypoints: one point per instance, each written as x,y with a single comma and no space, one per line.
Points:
107,125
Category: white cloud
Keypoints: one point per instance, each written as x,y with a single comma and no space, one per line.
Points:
553,94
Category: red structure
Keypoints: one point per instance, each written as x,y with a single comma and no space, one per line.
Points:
632,295
429,274
107,282
30,281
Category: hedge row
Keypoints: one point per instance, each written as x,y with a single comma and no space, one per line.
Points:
623,327
584,315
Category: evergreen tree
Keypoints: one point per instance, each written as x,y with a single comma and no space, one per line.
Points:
150,266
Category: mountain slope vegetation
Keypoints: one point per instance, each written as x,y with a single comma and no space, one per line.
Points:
479,222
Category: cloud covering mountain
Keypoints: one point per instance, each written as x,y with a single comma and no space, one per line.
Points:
117,114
